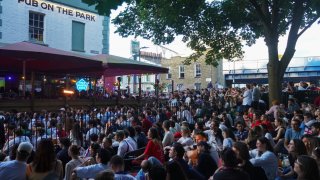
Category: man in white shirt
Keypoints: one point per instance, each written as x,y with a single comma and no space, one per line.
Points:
247,98
168,136
124,146
129,137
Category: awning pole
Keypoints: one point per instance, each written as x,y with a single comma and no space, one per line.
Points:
24,78
140,86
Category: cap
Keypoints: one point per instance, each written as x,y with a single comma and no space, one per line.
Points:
25,146
62,109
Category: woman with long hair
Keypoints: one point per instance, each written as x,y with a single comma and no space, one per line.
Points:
76,136
264,156
243,157
279,130
154,147
306,168
45,164
295,149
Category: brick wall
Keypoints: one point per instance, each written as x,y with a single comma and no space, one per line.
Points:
207,72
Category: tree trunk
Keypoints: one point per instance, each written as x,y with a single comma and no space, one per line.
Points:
275,77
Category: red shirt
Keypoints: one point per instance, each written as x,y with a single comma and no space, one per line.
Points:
168,115
146,125
256,123
268,124
155,150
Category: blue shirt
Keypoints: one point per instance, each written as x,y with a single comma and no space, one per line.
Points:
123,176
241,135
292,134
13,170
90,171
268,161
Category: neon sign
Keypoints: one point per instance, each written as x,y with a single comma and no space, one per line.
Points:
82,85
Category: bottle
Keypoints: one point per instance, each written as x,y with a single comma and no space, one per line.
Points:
285,162
280,159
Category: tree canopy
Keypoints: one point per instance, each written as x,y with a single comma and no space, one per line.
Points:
220,28
104,7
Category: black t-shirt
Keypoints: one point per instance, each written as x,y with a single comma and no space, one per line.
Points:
230,174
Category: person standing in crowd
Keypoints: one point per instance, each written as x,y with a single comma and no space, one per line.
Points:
75,135
93,129
45,164
246,98
16,169
255,96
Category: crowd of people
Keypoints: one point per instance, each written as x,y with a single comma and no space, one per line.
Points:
208,134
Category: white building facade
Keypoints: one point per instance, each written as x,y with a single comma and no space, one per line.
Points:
68,25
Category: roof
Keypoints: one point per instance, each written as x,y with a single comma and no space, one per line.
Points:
115,65
41,58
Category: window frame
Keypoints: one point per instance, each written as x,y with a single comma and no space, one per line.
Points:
73,48
169,75
33,28
181,72
197,70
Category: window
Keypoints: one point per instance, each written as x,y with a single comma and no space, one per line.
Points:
36,26
197,70
181,71
147,78
179,87
77,36
197,86
169,75
169,87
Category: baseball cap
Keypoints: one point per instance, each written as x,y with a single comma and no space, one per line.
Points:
25,146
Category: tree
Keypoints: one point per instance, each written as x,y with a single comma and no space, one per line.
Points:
222,27
104,7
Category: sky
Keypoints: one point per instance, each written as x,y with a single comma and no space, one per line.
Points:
308,45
